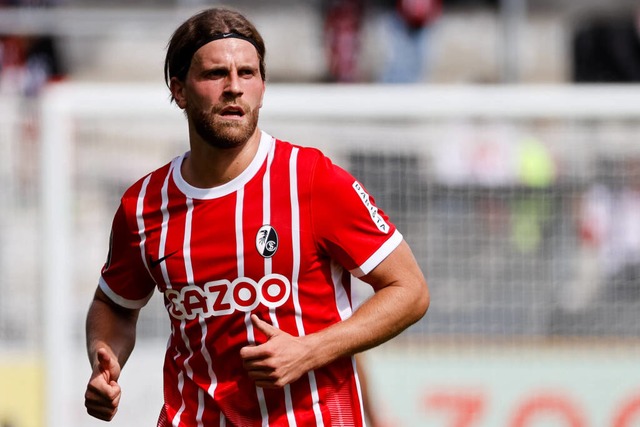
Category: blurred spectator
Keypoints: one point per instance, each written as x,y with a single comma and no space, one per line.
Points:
483,154
532,212
408,26
610,230
607,49
343,24
27,63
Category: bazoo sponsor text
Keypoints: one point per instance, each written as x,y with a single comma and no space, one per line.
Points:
222,297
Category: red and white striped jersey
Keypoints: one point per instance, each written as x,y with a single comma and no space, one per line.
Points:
280,241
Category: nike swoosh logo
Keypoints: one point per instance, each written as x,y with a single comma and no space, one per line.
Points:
155,262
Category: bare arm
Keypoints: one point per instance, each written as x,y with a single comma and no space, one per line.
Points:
111,335
401,298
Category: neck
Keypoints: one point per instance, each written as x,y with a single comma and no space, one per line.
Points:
208,167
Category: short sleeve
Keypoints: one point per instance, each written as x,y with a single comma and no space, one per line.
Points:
347,223
125,278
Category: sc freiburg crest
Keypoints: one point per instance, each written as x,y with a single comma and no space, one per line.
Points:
267,241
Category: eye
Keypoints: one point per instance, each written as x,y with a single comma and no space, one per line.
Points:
246,72
217,73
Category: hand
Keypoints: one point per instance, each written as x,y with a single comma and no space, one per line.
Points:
103,392
279,361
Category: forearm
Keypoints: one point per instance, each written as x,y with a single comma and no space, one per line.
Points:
401,298
110,327
386,314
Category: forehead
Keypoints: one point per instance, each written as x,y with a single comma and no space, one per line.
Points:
226,51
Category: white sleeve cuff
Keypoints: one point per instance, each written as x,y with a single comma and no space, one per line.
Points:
379,255
126,303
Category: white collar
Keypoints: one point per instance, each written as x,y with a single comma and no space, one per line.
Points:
266,142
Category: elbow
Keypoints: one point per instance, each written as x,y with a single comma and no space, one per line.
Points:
422,302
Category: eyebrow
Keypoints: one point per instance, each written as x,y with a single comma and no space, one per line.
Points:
216,67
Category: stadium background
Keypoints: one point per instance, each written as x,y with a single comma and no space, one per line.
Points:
515,178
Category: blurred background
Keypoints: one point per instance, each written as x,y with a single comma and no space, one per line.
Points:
501,136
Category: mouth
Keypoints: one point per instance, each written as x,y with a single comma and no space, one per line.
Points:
232,112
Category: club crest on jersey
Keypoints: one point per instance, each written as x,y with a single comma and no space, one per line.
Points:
267,241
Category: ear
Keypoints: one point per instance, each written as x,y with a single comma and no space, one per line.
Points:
177,91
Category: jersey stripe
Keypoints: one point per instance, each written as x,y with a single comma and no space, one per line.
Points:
140,219
200,407
207,357
164,227
239,232
288,400
266,220
175,422
186,249
295,238
342,299
247,317
358,387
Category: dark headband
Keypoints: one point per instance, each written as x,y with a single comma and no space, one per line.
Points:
231,35
204,41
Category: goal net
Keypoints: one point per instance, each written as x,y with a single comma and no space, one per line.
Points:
521,204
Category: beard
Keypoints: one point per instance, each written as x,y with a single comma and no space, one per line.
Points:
224,134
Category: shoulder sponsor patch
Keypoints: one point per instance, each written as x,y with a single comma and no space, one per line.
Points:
373,210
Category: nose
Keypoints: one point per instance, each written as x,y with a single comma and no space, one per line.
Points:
233,84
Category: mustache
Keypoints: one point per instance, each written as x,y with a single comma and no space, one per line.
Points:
232,104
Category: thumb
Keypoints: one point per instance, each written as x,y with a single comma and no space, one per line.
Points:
264,327
108,365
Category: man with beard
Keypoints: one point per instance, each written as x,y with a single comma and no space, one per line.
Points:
242,237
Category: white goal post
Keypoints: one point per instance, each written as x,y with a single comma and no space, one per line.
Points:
96,138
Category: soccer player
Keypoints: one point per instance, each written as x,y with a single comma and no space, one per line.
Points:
251,240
